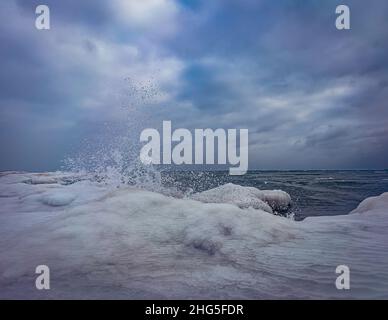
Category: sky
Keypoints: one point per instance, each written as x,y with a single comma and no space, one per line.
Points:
312,96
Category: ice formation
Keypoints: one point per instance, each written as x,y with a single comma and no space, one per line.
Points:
108,242
373,204
245,197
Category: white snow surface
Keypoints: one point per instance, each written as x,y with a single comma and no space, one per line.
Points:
101,241
245,197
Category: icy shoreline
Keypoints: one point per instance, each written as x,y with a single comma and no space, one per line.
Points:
106,242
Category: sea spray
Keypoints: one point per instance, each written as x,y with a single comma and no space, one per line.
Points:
111,155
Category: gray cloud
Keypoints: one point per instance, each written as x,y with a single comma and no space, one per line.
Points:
311,96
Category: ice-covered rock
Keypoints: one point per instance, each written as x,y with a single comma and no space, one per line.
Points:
245,197
42,179
373,204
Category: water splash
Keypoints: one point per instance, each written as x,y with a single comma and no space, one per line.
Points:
111,156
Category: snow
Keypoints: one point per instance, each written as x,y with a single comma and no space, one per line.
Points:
373,204
58,199
101,241
245,197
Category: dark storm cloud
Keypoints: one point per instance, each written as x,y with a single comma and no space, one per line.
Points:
311,96
329,87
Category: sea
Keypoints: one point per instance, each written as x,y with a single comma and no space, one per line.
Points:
313,192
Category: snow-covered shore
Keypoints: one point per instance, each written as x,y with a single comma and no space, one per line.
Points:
101,241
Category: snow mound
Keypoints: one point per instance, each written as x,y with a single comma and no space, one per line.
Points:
373,204
245,197
58,199
42,179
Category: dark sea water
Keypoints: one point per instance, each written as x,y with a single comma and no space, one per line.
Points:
314,193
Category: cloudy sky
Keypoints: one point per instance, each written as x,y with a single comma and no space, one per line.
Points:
312,97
